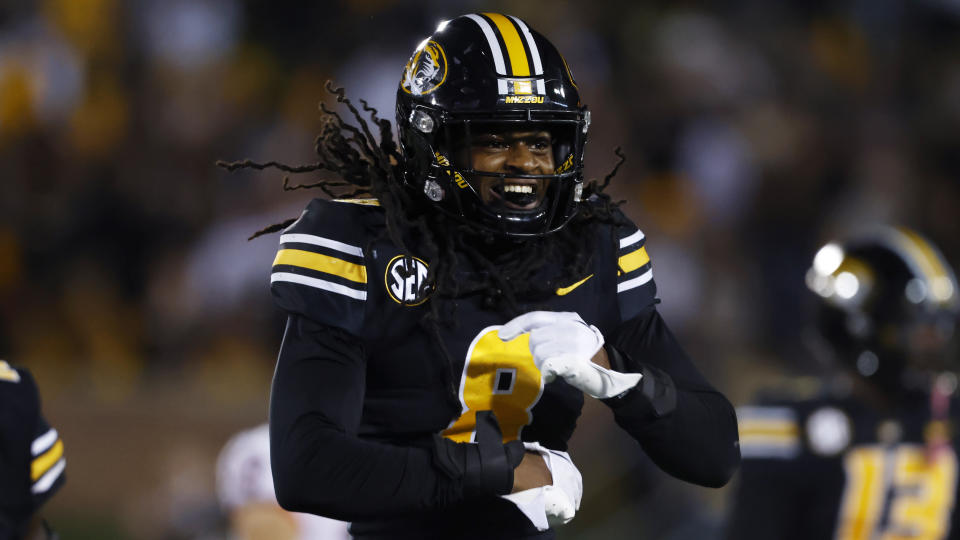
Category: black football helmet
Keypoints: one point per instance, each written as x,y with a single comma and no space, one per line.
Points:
480,73
888,305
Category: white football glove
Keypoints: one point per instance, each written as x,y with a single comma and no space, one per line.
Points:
562,345
553,505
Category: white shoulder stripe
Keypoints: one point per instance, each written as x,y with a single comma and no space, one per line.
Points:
319,284
632,239
47,480
492,42
635,282
43,443
321,241
537,65
769,450
755,412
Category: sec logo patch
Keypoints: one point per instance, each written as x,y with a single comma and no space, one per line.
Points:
404,279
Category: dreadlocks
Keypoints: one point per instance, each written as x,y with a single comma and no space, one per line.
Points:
365,165
368,165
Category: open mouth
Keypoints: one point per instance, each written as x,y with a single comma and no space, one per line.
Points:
516,195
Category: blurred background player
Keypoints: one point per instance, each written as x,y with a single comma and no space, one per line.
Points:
245,490
31,457
872,454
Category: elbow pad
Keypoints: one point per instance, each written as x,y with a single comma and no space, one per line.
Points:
484,467
656,389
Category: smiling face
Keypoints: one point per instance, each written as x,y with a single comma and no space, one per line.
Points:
512,151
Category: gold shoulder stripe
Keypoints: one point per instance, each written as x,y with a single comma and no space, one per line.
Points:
322,263
511,38
566,290
768,428
364,202
633,260
42,464
7,373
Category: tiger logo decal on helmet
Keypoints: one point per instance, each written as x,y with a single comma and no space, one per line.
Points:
426,70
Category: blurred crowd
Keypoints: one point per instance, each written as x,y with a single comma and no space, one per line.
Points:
753,130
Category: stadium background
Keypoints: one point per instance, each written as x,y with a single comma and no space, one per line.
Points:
754,131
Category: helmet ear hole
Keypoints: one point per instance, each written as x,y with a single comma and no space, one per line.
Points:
422,121
417,158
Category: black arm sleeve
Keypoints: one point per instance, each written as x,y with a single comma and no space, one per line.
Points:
697,440
319,463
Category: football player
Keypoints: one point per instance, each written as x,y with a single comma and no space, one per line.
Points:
31,457
443,332
872,454
245,490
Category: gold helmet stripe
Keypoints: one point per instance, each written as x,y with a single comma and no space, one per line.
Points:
511,38
534,53
926,258
531,44
924,254
927,264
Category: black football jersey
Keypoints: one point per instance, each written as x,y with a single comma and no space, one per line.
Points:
362,388
837,468
335,267
31,453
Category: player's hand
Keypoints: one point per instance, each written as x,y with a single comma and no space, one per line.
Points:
554,504
485,467
563,497
532,472
563,345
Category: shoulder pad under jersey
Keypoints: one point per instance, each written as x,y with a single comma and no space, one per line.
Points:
320,270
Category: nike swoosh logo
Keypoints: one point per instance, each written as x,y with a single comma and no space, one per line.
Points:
567,290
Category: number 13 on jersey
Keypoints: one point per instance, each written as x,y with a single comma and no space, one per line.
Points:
498,376
896,493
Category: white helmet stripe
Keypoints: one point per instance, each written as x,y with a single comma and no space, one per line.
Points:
534,53
492,42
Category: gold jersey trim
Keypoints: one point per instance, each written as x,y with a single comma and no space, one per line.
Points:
43,463
322,263
633,260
